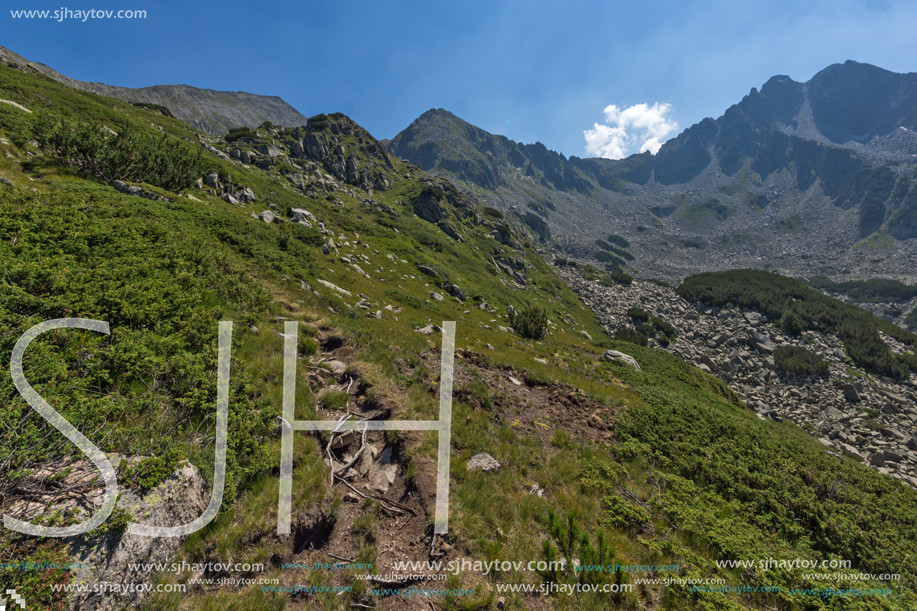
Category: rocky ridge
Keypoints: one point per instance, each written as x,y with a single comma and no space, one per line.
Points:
853,413
790,178
208,110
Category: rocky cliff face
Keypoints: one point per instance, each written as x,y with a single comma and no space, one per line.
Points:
210,111
812,178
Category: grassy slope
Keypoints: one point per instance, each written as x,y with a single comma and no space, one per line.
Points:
706,479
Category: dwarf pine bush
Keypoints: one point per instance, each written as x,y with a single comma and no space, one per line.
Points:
130,155
530,322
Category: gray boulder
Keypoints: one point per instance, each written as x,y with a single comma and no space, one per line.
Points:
300,215
247,195
620,357
270,150
485,462
297,180
429,208
127,189
267,216
449,230
218,152
753,318
315,146
761,342
178,500
456,292
711,365
850,392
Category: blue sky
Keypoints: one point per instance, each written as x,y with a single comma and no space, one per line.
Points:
532,70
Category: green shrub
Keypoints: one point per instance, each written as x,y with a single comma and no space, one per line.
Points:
698,243
792,323
130,155
149,472
874,290
308,346
607,257
776,295
530,322
622,514
318,122
613,268
622,278
796,359
621,253
16,123
626,334
638,314
646,329
116,523
910,321
488,211
662,326
590,273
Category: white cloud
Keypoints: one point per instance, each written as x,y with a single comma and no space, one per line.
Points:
636,128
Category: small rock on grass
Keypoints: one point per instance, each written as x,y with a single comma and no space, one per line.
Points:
485,462
614,355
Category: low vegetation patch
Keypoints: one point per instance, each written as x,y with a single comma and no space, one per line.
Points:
874,290
796,359
128,154
530,322
800,307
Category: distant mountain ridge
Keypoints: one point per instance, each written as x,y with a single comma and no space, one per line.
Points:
214,112
793,174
